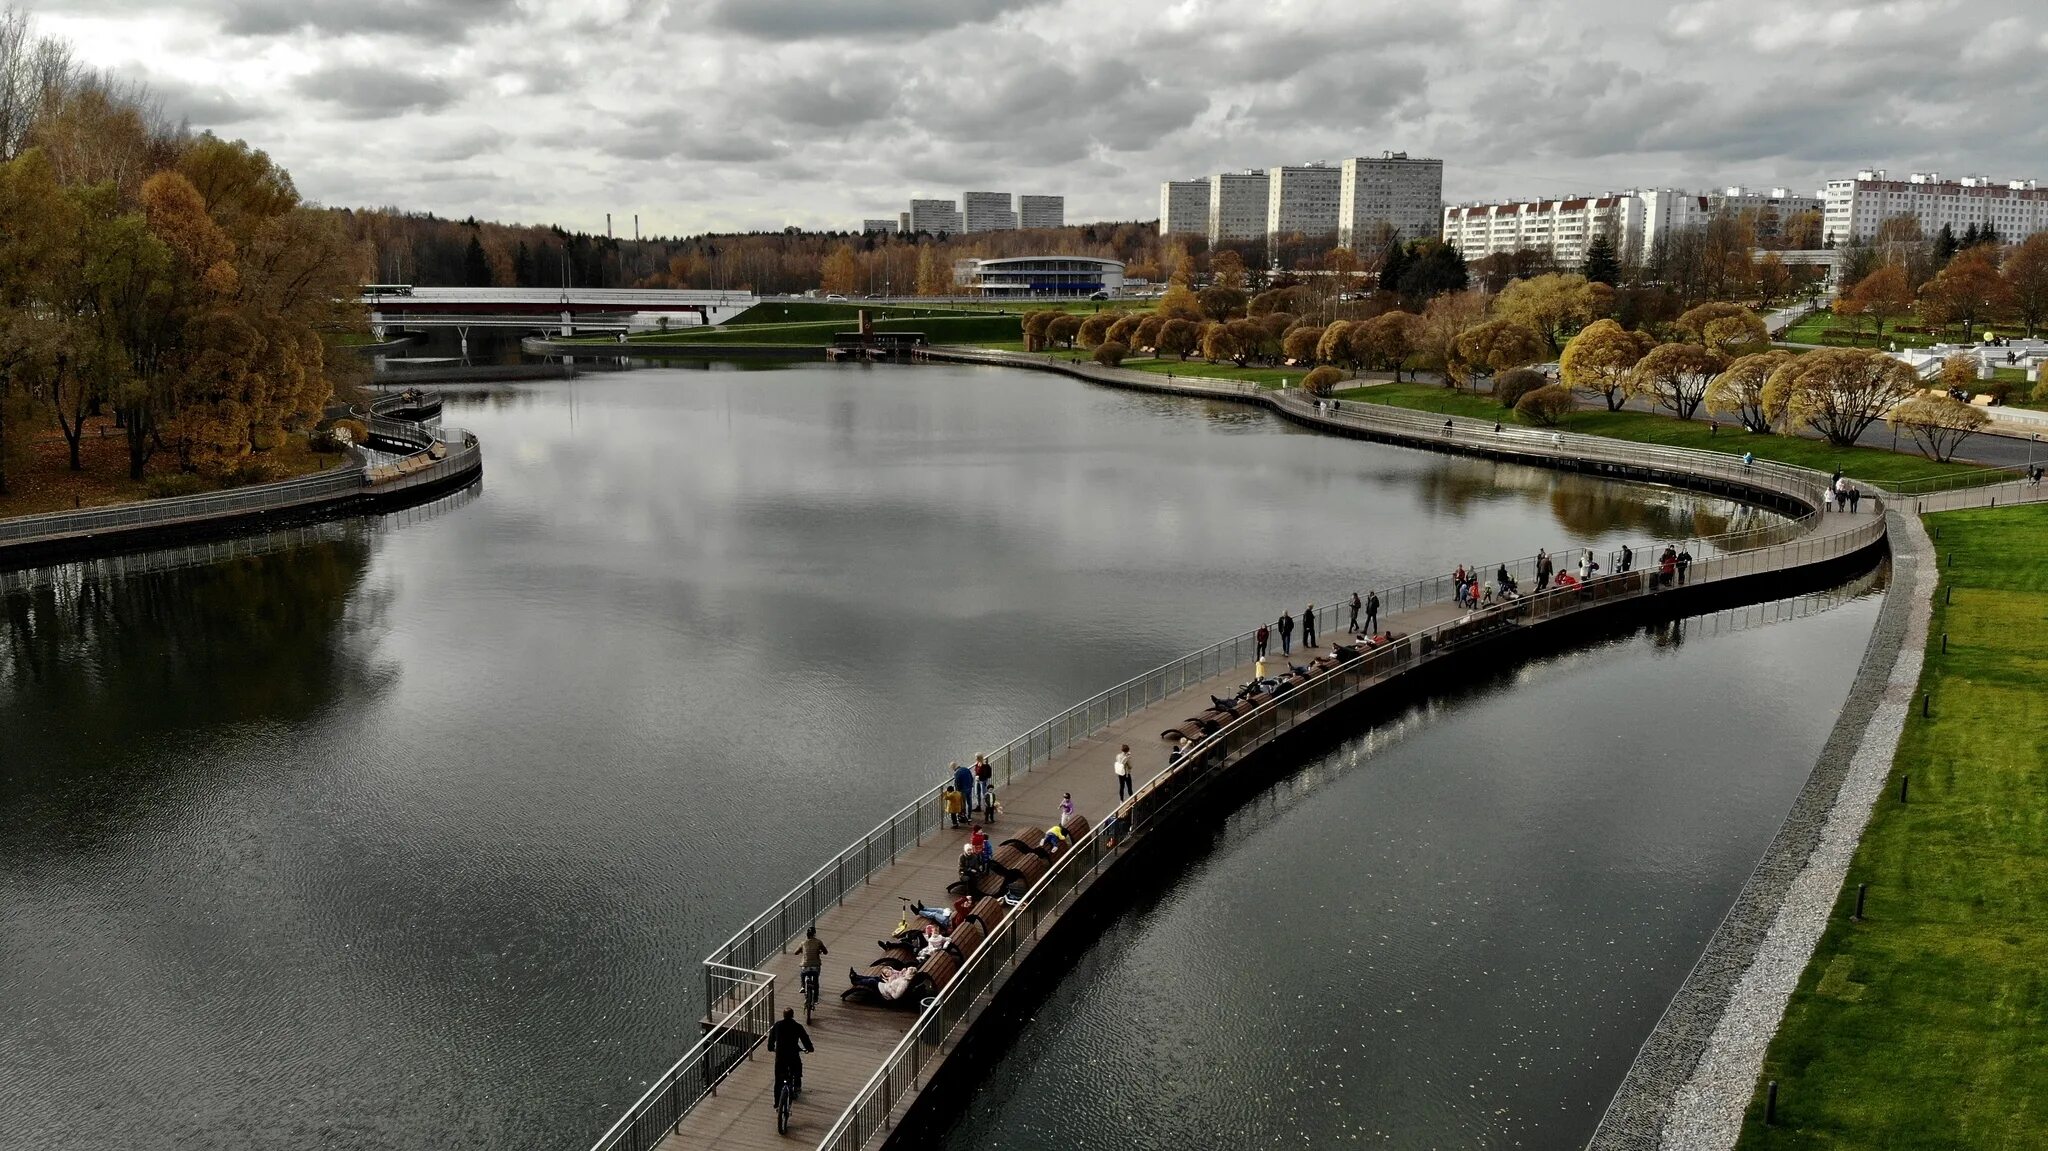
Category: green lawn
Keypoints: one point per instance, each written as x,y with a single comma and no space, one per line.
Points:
1820,328
1874,464
1922,1027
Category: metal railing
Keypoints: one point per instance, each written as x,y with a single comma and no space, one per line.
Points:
897,1079
697,1074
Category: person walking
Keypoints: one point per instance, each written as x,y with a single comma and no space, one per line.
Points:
1286,625
1855,498
1261,636
1827,499
1308,627
1542,569
1124,786
1684,562
1628,559
1356,604
1372,612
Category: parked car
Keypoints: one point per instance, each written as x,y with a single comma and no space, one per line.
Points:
1098,295
836,296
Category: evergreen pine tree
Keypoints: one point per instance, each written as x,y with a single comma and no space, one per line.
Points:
476,269
1601,265
1969,240
1945,245
1392,267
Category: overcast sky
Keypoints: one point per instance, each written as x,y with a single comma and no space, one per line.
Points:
741,114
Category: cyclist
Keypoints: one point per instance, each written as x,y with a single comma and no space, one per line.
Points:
814,951
784,1039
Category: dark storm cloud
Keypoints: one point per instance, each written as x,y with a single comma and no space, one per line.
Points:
366,91
202,106
420,19
815,19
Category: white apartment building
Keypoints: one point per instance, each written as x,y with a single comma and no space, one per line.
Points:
1407,193
935,216
1302,199
1184,207
1237,205
987,212
1042,211
1667,210
888,225
1562,229
1852,210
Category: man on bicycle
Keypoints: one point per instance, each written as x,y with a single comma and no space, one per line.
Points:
784,1039
814,951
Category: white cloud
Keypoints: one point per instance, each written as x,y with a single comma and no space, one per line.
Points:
758,113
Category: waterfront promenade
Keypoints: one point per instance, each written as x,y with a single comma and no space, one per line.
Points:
869,1070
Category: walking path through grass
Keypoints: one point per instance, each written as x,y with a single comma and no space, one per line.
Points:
1923,1025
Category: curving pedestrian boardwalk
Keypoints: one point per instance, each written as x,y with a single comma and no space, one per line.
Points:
868,1069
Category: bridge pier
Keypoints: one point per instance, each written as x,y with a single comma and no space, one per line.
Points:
568,323
377,326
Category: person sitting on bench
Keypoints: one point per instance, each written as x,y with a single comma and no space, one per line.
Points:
890,988
946,917
935,941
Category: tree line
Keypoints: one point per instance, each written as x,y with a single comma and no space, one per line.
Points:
176,281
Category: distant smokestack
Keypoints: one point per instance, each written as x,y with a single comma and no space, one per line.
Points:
636,227
607,225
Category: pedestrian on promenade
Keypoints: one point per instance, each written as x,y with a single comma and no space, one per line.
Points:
1587,566
1372,612
1628,559
963,782
1261,636
1748,458
1066,806
1286,626
1356,604
1827,499
1447,427
1308,627
1684,562
1259,667
1855,498
984,784
1667,567
1123,774
1544,569
955,806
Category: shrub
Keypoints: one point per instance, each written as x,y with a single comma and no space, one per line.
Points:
2041,391
175,484
1546,406
1510,386
2000,391
1110,353
1322,381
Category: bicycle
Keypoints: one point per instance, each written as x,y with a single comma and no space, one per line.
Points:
808,976
785,1094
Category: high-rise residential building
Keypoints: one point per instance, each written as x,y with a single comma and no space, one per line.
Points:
1853,210
1302,200
1395,190
1667,210
1561,229
1184,207
935,216
987,212
1042,211
882,225
903,223
1237,205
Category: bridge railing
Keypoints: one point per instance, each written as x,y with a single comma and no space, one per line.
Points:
897,1079
725,1045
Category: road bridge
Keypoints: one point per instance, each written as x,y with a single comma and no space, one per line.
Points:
562,310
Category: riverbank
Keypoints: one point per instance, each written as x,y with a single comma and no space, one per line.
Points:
430,462
1920,1024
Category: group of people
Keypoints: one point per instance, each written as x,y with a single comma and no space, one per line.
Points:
1365,620
1467,590
1841,495
970,791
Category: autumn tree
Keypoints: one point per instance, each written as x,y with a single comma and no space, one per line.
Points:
1546,406
1729,329
1226,269
1177,337
1063,328
1221,302
1959,373
1300,342
1110,353
2025,272
1676,376
1496,345
1433,336
1146,334
1838,392
841,274
1601,358
1882,296
1334,347
1382,342
1095,329
1322,381
1035,323
1554,305
934,278
1220,343
1939,424
1966,291
1180,303
1739,389
1510,386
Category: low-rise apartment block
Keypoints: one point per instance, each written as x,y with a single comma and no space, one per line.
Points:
1853,210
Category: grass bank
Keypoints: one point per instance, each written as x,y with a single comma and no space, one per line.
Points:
821,311
955,328
1921,1027
1875,464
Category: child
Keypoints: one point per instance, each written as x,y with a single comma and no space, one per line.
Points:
1066,807
955,805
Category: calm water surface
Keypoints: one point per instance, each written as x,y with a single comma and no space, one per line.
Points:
415,836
